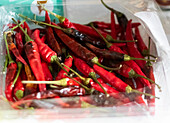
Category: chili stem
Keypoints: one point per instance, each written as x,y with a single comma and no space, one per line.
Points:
22,30
19,64
6,63
127,58
88,89
107,43
39,22
60,18
84,79
8,54
17,25
139,92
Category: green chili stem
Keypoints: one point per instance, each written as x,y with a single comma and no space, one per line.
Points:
19,65
17,25
39,22
6,63
88,89
29,39
60,18
139,92
137,75
8,54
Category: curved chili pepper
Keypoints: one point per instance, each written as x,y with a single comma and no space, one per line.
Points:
28,28
9,88
19,89
46,71
19,42
11,67
101,25
122,19
132,50
14,49
32,53
68,62
35,36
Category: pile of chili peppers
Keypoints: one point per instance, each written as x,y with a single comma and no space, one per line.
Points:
99,64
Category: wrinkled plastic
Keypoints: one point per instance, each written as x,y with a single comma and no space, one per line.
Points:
144,11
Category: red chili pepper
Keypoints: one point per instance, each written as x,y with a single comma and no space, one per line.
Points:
19,89
52,42
43,38
132,50
80,50
9,88
116,94
141,45
32,53
113,26
35,36
28,28
47,18
101,25
46,71
19,42
149,73
61,74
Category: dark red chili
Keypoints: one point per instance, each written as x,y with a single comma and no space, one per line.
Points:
36,36
132,50
19,42
14,49
43,38
46,71
68,62
111,54
113,26
52,42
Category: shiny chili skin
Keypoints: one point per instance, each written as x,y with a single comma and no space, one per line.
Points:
106,53
32,53
18,89
19,42
132,50
36,36
81,37
68,62
46,52
140,43
113,92
52,42
113,26
9,92
28,28
110,78
46,71
83,67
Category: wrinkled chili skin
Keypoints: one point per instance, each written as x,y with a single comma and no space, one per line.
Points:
52,42
83,38
62,92
32,53
11,71
76,48
106,53
19,42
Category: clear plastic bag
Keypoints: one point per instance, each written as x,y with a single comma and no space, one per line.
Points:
146,12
